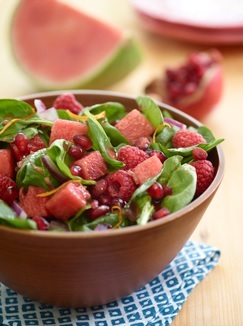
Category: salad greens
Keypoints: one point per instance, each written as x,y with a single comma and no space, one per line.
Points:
50,168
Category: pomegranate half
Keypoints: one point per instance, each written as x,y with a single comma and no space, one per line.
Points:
194,87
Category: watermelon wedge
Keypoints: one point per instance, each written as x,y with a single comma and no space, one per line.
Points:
61,47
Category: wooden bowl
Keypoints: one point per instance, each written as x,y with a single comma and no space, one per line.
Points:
85,269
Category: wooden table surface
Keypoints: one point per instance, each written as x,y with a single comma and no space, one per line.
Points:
217,300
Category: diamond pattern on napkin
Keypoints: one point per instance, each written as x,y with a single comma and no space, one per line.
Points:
155,304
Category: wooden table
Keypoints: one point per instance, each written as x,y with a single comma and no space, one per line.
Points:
217,300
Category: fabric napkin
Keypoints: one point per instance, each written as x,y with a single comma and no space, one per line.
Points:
155,304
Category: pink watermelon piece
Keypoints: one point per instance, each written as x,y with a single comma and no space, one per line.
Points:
31,204
60,46
66,129
6,163
67,201
93,166
147,169
134,126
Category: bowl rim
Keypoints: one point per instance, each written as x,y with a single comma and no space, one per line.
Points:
133,228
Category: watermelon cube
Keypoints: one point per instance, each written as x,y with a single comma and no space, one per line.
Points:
6,163
93,166
134,126
31,204
66,129
147,169
67,201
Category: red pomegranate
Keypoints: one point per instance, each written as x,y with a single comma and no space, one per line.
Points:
194,87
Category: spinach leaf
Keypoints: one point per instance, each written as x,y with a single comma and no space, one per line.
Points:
150,110
9,218
58,153
82,224
34,172
29,127
101,142
169,167
12,109
183,183
145,209
114,134
114,110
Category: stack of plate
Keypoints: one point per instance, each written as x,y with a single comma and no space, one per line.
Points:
203,21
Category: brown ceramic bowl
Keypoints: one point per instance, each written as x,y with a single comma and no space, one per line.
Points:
84,269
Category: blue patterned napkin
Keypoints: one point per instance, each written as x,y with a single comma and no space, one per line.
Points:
155,304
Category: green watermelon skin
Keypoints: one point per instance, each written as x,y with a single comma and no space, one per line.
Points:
66,129
74,49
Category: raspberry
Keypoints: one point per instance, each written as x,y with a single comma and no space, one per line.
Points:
67,101
187,138
120,185
8,190
205,175
131,156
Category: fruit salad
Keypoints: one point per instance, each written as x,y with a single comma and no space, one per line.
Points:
73,168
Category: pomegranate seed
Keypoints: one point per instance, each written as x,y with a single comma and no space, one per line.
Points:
105,200
99,188
42,223
99,211
21,141
199,154
76,170
142,143
159,154
156,191
167,190
160,213
76,151
83,141
94,204
117,202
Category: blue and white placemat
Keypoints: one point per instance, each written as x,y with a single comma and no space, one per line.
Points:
155,304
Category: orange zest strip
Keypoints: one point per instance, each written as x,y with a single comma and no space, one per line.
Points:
118,209
84,118
51,192
158,128
13,121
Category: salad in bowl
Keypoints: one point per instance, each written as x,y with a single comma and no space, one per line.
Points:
76,168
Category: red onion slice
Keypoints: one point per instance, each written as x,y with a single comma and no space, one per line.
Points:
52,168
175,123
18,210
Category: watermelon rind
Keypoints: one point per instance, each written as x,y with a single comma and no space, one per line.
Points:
116,67
120,62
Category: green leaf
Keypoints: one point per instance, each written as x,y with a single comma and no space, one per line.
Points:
183,183
150,110
12,109
9,218
169,167
101,142
29,127
58,153
114,110
34,172
114,134
145,209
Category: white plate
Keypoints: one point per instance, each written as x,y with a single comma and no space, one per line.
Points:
205,21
